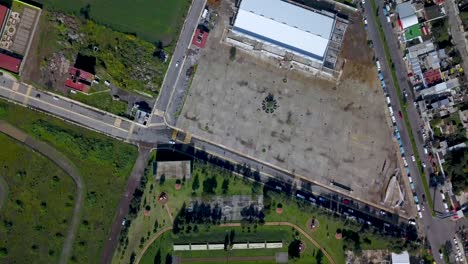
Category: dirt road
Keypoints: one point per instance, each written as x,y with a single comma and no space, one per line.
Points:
122,211
60,160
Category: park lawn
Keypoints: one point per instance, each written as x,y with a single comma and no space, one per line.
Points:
102,100
299,213
151,20
104,164
37,212
142,225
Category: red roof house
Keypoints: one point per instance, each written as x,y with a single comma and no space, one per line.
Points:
432,76
199,38
9,63
79,80
3,13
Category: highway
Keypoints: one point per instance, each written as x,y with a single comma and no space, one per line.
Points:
437,230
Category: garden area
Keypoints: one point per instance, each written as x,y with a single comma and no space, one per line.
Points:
103,163
157,221
36,214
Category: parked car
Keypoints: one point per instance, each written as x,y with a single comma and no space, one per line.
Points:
412,222
56,98
412,158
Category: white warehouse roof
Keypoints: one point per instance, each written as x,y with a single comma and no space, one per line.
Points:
286,25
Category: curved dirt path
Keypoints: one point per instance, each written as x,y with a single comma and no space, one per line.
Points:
162,231
60,160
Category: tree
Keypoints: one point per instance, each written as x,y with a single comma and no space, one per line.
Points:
232,53
86,11
294,249
456,167
196,183
209,185
162,180
168,258
157,258
225,186
226,241
319,257
231,237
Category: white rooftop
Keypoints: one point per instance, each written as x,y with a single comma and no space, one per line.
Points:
283,24
407,14
402,258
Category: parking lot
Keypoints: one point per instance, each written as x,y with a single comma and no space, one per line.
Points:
325,131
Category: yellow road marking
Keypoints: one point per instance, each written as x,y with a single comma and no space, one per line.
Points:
174,134
130,131
117,122
26,97
188,138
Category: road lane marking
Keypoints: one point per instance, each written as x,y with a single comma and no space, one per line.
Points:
174,134
58,107
15,86
26,98
188,138
130,131
117,122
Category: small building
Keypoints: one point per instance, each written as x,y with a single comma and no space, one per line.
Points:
199,38
432,77
79,79
402,258
10,63
406,15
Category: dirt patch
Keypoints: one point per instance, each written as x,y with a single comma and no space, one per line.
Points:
355,45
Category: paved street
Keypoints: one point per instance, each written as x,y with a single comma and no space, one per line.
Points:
436,230
456,28
176,66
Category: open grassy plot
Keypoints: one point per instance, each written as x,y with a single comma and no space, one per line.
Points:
152,20
143,227
104,164
102,101
37,212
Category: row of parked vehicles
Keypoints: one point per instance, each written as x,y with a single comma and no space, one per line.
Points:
400,143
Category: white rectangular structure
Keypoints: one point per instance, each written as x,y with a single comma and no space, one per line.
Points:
199,247
256,245
216,247
240,246
285,25
181,247
274,245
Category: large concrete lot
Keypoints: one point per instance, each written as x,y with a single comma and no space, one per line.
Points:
322,130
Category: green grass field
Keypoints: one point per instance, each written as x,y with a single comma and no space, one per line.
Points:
104,164
151,20
102,101
39,206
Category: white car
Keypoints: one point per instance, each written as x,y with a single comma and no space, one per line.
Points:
56,98
424,165
425,151
177,64
420,215
172,142
412,222
412,158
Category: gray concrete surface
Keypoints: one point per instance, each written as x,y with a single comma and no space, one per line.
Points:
321,130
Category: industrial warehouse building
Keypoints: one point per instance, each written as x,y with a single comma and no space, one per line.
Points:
292,28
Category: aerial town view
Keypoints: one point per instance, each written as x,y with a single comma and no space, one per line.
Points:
233,131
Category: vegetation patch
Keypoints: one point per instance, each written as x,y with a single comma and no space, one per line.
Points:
152,20
103,163
36,215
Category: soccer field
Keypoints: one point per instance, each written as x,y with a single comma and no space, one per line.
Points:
151,20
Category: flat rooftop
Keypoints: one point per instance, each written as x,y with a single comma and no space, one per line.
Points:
286,25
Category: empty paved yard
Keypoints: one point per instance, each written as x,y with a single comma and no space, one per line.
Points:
321,130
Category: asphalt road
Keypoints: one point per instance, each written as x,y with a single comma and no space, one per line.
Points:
179,56
436,230
456,28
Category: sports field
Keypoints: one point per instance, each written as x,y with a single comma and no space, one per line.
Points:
38,207
151,20
103,163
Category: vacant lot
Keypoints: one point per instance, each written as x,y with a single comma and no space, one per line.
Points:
104,164
152,20
325,131
37,213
